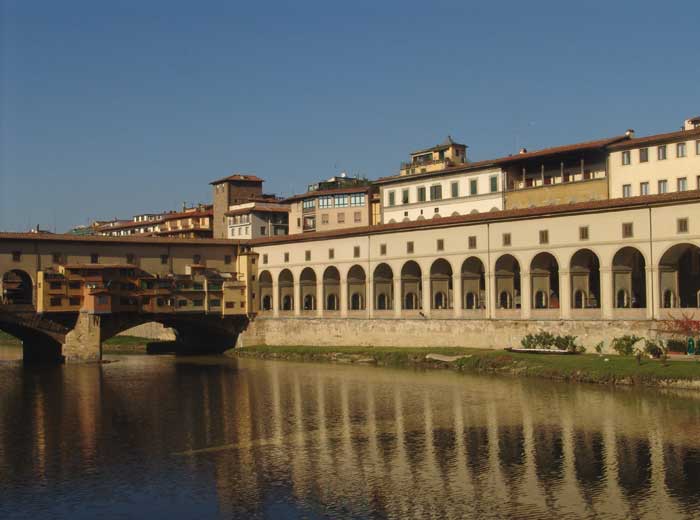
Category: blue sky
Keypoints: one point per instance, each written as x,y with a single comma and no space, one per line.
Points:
113,108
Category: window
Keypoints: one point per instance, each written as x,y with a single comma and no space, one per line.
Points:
357,199
409,247
56,257
160,302
382,249
663,186
130,258
683,184
341,218
308,204
436,192
341,201
473,187
263,230
697,147
356,252
325,202
392,198
163,259
661,152
230,305
55,285
436,210
644,188
682,225
331,254
74,285
74,300
198,303
404,196
643,155
420,192
324,218
680,150
440,244
286,257
103,299
583,233
55,301
196,259
472,242
493,182
627,230
307,255
626,190
357,217
298,221
215,303
626,157
227,259
94,258
16,256
454,189
182,303
506,239
265,258
544,236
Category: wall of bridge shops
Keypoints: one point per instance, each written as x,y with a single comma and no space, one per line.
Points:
624,302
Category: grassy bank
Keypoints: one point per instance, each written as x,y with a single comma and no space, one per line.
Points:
7,340
589,368
125,345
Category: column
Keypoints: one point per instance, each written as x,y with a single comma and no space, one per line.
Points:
275,298
607,293
653,288
491,295
564,294
343,301
525,295
457,298
320,300
369,300
426,295
297,297
397,299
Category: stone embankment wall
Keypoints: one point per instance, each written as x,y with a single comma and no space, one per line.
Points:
489,334
151,330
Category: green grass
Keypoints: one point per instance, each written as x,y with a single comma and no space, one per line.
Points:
8,339
585,367
127,341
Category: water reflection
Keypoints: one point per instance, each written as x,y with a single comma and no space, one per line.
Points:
281,440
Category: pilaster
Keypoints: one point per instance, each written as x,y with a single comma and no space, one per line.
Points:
564,294
525,295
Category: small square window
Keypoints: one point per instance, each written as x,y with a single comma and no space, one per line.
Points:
627,230
440,244
16,256
506,239
409,247
682,225
94,258
356,252
286,257
265,259
227,259
163,259
472,242
583,233
437,210
382,249
357,217
544,236
331,254
643,155
626,190
341,218
324,218
307,255
130,258
56,258
626,157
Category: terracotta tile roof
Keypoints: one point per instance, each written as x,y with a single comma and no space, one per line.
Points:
444,146
100,266
319,193
258,208
118,240
668,137
491,216
238,177
208,212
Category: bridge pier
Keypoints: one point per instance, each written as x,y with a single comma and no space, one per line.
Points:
84,343
39,348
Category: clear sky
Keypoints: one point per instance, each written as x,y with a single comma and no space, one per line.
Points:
110,108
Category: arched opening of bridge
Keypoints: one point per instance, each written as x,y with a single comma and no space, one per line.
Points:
411,289
473,284
265,291
441,284
544,274
585,280
383,287
307,281
679,277
331,289
357,287
508,282
17,288
629,279
285,283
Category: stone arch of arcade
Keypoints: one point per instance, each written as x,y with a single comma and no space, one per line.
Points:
331,289
544,282
307,286
473,284
266,298
584,273
411,286
441,288
629,279
679,277
16,288
507,282
285,298
357,288
383,280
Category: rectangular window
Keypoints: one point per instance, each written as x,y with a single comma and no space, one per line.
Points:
644,188
324,218
473,187
472,242
683,184
74,285
227,259
286,257
544,236
55,301
626,157
627,230
265,258
663,186
307,255
643,155
325,202
583,233
198,303
420,192
55,285
263,231
331,254
308,204
357,217
697,147
94,258
357,199
230,305
404,196
626,190
341,201
409,247
182,303
341,218
493,180
16,256
130,258
680,150
661,152
163,259
382,249
196,259
356,252
214,303
436,192
682,225
454,189
56,257
392,198
298,221
74,300
440,244
506,239
103,299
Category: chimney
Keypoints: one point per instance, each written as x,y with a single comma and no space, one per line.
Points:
629,133
522,151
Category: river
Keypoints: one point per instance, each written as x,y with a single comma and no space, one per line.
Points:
240,438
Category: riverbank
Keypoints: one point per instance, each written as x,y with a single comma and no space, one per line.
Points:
585,368
125,345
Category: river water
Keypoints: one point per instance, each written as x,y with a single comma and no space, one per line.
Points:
219,437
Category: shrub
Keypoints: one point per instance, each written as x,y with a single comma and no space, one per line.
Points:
676,345
599,347
624,345
653,348
546,340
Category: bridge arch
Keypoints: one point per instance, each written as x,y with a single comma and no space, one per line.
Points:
679,276
629,278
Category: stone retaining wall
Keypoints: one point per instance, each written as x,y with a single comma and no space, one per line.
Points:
150,330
